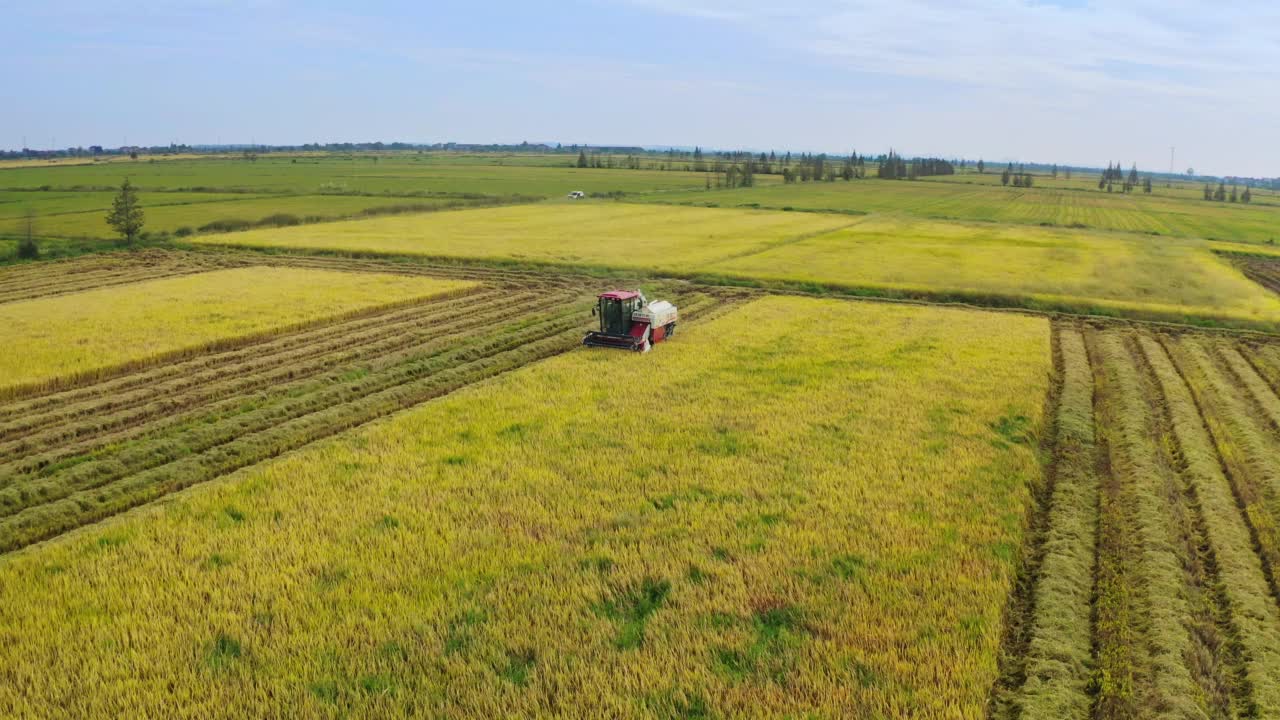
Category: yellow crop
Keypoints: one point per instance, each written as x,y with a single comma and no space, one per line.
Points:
1059,269
801,508
1054,269
587,233
89,331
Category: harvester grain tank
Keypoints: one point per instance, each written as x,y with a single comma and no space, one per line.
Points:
628,321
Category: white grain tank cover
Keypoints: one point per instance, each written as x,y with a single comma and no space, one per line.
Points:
658,312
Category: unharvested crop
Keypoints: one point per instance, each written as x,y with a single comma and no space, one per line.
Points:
793,522
1054,269
615,235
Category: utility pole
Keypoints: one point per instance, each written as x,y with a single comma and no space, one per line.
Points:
1170,183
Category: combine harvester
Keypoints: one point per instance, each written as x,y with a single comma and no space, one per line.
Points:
630,322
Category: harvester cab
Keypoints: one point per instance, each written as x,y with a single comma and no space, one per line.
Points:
630,322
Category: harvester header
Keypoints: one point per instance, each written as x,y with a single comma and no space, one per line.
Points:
630,322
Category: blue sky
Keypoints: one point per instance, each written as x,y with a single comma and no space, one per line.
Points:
1056,81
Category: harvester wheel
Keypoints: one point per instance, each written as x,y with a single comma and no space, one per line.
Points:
671,329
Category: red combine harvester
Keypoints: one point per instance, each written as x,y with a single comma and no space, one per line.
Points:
630,322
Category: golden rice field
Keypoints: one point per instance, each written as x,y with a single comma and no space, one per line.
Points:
586,233
84,333
817,512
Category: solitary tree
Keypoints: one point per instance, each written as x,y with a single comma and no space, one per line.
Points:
27,248
1146,185
982,166
125,216
582,158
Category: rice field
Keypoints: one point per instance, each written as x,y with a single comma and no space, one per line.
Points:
363,468
796,522
88,333
403,174
1043,268
209,212
1159,214
616,235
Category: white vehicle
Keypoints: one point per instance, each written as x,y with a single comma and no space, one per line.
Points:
577,195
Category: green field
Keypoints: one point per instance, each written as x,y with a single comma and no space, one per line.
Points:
396,174
957,200
164,217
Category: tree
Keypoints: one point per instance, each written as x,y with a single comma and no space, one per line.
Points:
1055,171
1004,177
1221,194
982,166
27,248
1208,192
1133,176
125,216
582,158
1247,196
1235,196
1146,185
1102,180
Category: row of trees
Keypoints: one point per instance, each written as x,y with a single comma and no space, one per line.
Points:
894,167
1221,195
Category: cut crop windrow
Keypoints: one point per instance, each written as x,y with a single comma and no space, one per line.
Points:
1059,666
114,493
1252,615
20,492
1137,518
111,410
1248,455
284,378
313,337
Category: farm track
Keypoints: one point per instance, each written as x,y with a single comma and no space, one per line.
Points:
100,446
1155,593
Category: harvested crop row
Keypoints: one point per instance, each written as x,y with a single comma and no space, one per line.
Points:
236,372
58,342
1148,595
86,427
59,277
285,377
225,398
1252,613
106,390
172,452
1248,454
240,416
1059,666
99,491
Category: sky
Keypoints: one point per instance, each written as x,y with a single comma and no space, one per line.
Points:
1066,81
